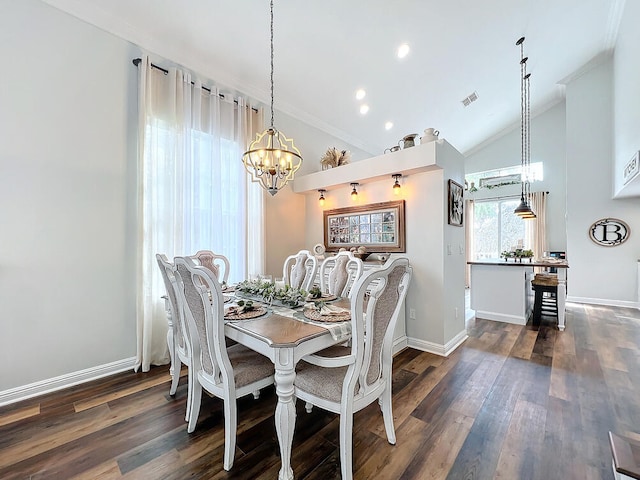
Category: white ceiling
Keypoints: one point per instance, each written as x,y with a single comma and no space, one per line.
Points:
325,50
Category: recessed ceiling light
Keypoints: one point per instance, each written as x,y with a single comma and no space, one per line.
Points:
360,94
364,109
403,50
388,125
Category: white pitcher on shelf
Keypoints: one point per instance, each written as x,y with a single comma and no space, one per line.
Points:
430,134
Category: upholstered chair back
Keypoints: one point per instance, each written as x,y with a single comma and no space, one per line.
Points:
204,313
299,270
339,273
218,264
376,304
167,271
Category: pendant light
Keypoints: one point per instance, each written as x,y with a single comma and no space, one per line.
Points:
524,210
272,158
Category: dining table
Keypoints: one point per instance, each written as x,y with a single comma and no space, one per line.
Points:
285,336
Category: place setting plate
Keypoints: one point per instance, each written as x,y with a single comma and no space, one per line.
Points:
236,313
325,297
318,316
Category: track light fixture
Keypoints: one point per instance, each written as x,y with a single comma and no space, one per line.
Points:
396,185
354,192
321,198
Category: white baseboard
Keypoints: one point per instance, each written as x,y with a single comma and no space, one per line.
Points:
64,381
603,301
400,344
437,348
501,317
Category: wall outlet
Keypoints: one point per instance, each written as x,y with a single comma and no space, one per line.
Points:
412,313
456,309
448,249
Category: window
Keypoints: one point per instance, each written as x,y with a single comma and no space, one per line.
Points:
496,228
536,174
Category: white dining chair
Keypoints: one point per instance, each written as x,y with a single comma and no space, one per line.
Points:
299,270
218,264
177,335
227,373
346,379
339,273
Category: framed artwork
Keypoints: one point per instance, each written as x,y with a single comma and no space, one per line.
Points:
456,203
379,227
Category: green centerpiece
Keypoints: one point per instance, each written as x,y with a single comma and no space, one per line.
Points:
267,292
517,254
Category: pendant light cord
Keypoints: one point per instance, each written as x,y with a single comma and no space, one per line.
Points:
271,63
522,120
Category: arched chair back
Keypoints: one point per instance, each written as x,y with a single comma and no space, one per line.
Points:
339,273
227,373
177,336
218,264
346,379
299,270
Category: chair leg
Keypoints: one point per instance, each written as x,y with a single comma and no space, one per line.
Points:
387,414
194,410
190,381
176,366
230,427
172,369
346,445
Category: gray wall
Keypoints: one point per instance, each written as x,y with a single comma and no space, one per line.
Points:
598,274
67,207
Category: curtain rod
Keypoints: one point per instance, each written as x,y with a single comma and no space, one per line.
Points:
136,62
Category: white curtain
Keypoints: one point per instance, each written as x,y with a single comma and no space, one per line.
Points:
193,192
468,227
536,229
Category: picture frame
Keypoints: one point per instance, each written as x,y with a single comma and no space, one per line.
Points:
455,204
379,227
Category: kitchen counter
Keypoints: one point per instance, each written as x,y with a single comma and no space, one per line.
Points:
501,290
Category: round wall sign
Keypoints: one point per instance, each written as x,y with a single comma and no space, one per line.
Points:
609,232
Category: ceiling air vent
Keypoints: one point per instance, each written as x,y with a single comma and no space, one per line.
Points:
470,99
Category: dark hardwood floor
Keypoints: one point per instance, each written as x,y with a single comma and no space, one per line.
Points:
512,402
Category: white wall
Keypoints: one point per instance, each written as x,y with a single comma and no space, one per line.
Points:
547,146
437,286
597,274
67,174
286,210
627,95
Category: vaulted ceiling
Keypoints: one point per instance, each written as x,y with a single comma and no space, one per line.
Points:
326,50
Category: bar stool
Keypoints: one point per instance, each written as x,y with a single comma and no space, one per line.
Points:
544,283
624,451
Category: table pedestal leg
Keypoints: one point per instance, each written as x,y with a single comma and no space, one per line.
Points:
286,409
562,296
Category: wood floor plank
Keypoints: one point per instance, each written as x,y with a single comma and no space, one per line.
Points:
82,405
523,442
439,451
512,402
19,414
105,471
389,461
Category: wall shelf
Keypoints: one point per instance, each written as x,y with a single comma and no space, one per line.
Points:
420,158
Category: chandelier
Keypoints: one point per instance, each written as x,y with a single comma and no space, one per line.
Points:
524,210
272,158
